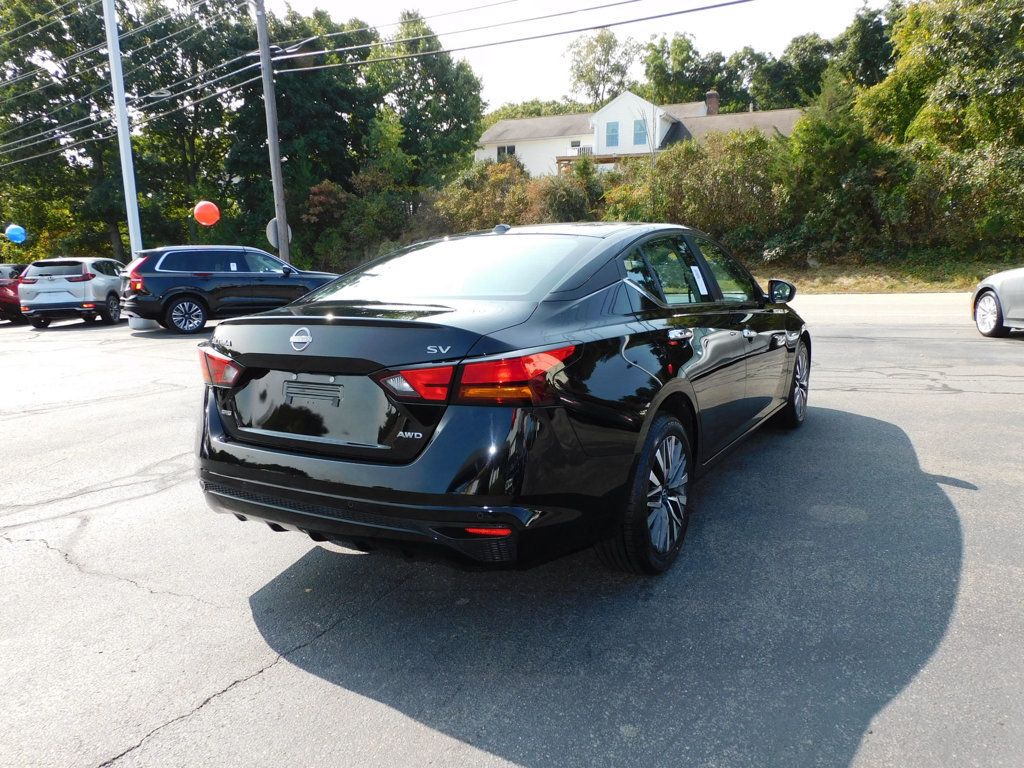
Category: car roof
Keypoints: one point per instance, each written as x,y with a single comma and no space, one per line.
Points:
199,248
598,229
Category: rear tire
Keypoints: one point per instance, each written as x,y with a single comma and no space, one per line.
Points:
39,322
795,411
988,316
649,535
186,315
111,312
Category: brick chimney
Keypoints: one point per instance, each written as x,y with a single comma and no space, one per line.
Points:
712,100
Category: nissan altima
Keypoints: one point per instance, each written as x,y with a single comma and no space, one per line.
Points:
501,398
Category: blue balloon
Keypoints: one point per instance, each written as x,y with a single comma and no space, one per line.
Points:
15,233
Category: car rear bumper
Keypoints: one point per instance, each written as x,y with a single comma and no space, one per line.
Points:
146,307
63,309
521,469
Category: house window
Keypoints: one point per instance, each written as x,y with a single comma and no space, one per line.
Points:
639,132
611,135
509,149
574,144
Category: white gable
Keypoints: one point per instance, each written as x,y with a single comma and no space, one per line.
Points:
629,125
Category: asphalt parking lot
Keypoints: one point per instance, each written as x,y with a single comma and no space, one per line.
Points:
849,594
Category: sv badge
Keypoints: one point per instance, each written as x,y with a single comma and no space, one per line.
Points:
435,350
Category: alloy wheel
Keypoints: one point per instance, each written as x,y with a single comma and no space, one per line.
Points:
666,495
114,309
187,315
986,314
801,382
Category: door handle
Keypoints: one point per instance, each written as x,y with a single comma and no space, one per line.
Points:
679,334
749,334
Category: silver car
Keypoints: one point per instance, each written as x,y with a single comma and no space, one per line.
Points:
71,287
999,303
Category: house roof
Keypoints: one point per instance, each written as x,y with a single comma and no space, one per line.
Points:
685,110
781,120
538,128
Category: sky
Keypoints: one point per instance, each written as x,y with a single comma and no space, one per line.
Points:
539,69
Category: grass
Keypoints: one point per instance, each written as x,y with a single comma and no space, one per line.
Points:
944,277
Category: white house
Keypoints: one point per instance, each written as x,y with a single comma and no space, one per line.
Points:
627,125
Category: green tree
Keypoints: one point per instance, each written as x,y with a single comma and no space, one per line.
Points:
864,50
599,65
436,99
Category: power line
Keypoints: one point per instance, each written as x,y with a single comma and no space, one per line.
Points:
149,119
37,30
510,41
106,85
24,24
99,47
432,35
287,43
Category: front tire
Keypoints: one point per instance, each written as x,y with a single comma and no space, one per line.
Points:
111,312
648,537
988,316
186,315
795,411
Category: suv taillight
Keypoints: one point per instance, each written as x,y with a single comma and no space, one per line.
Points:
135,281
218,370
519,380
85,277
26,281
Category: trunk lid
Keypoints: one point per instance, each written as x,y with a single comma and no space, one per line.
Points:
309,384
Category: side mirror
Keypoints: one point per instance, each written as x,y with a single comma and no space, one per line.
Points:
780,291
287,271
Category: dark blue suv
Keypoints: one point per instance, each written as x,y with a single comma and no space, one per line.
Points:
183,286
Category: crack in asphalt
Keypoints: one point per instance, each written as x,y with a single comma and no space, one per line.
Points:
81,568
266,667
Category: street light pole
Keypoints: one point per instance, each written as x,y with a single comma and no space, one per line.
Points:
273,144
124,136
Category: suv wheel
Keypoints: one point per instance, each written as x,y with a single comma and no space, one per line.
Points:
111,312
648,537
186,315
39,322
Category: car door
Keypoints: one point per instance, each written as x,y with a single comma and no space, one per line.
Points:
762,326
697,335
274,284
1011,297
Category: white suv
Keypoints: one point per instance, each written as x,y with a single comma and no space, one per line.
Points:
71,287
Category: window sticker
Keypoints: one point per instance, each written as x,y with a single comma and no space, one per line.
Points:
234,267
700,280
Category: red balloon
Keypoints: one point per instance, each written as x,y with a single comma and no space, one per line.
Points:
206,213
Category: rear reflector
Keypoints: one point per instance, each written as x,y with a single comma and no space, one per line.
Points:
218,370
489,531
512,381
88,306
420,383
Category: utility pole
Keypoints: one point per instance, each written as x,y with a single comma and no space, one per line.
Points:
273,144
124,136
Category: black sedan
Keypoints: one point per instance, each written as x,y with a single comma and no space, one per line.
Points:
504,397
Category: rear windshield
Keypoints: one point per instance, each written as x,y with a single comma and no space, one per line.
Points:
54,269
479,267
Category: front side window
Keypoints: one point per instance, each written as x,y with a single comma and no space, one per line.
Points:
261,262
496,267
735,282
612,135
639,132
677,270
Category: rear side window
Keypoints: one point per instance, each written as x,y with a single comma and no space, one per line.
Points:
478,267
55,268
204,261
677,270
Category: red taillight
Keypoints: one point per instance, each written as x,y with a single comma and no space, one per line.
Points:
489,531
419,383
511,381
82,278
135,282
218,370
27,280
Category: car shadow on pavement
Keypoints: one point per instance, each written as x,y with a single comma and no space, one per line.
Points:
819,576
